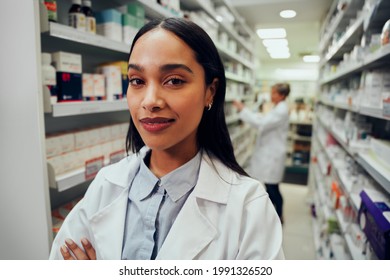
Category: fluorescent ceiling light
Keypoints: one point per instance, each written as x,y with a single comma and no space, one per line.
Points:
311,58
275,42
279,49
288,13
279,55
271,33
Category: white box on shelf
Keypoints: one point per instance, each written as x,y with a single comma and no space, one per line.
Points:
82,139
67,62
113,81
53,146
382,149
87,86
99,88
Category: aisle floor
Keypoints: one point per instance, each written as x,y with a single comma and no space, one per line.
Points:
298,242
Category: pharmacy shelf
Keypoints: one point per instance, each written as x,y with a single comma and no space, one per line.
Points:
68,180
347,41
297,137
155,10
242,132
237,78
63,109
356,253
71,34
367,111
224,52
199,5
378,171
339,22
373,112
376,59
367,160
232,119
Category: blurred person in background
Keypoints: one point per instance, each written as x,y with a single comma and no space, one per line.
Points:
268,160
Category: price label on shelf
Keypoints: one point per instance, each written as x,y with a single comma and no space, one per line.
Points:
116,156
93,166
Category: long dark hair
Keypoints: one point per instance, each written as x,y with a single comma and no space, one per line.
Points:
212,136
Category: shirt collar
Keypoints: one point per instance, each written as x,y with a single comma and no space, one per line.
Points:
176,183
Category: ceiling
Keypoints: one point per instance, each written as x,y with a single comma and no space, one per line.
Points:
302,31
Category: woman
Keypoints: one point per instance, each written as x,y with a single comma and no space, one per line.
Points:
268,160
181,195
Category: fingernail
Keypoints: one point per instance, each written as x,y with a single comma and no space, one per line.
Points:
69,241
84,241
64,249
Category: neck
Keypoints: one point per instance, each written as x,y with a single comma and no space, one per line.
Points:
163,162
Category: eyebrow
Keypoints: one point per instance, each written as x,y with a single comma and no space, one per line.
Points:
163,68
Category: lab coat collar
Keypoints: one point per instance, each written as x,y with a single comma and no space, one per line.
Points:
193,229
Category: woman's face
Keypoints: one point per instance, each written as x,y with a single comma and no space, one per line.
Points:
167,93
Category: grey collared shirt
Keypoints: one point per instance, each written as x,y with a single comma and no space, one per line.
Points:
153,206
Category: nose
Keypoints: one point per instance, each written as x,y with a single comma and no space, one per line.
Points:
152,100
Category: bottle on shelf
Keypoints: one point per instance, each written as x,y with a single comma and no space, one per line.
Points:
90,21
51,7
76,16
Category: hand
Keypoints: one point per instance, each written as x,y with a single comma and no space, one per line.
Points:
71,251
239,105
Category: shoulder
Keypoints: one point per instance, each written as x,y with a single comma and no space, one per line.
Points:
236,185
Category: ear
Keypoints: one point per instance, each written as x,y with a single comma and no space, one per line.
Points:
210,91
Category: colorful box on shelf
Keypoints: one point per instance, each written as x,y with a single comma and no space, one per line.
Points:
131,25
374,219
69,87
134,9
109,24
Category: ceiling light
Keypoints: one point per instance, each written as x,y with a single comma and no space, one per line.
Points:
311,58
278,49
279,55
288,13
271,33
275,42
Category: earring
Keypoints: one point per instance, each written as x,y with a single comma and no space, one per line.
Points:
209,106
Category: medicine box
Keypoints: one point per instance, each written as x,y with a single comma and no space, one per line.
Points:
69,86
130,28
124,77
134,9
113,81
88,93
99,87
67,62
374,220
109,24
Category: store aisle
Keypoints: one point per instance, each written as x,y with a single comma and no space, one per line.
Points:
298,241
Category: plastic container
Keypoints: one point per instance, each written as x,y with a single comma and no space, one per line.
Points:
76,16
90,21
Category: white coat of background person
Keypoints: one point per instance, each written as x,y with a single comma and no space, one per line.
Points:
268,160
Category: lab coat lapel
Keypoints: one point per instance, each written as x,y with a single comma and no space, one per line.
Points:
195,226
108,227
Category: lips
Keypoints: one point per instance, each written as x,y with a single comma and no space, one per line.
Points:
156,124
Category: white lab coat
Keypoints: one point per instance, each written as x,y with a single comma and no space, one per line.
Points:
269,155
227,216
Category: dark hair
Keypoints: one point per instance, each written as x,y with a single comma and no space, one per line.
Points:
282,88
212,136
